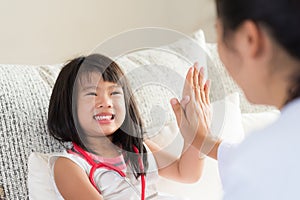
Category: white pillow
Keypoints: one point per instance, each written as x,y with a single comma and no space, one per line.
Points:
227,119
255,121
39,178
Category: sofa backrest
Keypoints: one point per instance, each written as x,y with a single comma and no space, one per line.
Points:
24,97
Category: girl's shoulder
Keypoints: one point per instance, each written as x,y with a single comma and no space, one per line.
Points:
53,157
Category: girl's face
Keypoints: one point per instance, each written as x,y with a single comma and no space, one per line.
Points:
101,106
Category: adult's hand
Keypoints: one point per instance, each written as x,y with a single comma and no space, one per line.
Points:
193,113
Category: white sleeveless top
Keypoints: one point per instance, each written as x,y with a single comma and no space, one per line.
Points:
111,184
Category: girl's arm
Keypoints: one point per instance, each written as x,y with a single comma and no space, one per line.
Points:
72,181
187,168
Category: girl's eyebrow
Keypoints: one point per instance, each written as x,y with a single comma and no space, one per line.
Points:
89,88
96,87
115,86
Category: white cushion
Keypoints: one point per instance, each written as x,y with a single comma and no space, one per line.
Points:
39,177
227,119
254,121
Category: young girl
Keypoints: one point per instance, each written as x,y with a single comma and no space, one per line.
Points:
92,106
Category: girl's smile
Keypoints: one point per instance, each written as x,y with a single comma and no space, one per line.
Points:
104,118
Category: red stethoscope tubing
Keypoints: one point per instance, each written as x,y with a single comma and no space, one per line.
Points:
110,167
143,180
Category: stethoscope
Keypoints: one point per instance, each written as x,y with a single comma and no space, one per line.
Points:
110,167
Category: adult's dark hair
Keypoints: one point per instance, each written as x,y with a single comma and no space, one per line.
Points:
280,17
62,115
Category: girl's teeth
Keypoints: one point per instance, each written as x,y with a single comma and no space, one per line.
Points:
103,117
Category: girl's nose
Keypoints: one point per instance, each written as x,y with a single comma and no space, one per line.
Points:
103,101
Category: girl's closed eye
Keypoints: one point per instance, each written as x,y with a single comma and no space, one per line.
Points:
117,93
91,94
116,90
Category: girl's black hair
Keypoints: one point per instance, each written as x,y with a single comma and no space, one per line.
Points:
62,115
280,17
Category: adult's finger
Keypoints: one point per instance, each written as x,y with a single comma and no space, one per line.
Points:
188,84
207,91
201,83
196,85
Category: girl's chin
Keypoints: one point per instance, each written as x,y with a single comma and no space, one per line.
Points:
107,133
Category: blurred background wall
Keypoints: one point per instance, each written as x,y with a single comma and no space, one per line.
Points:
53,31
